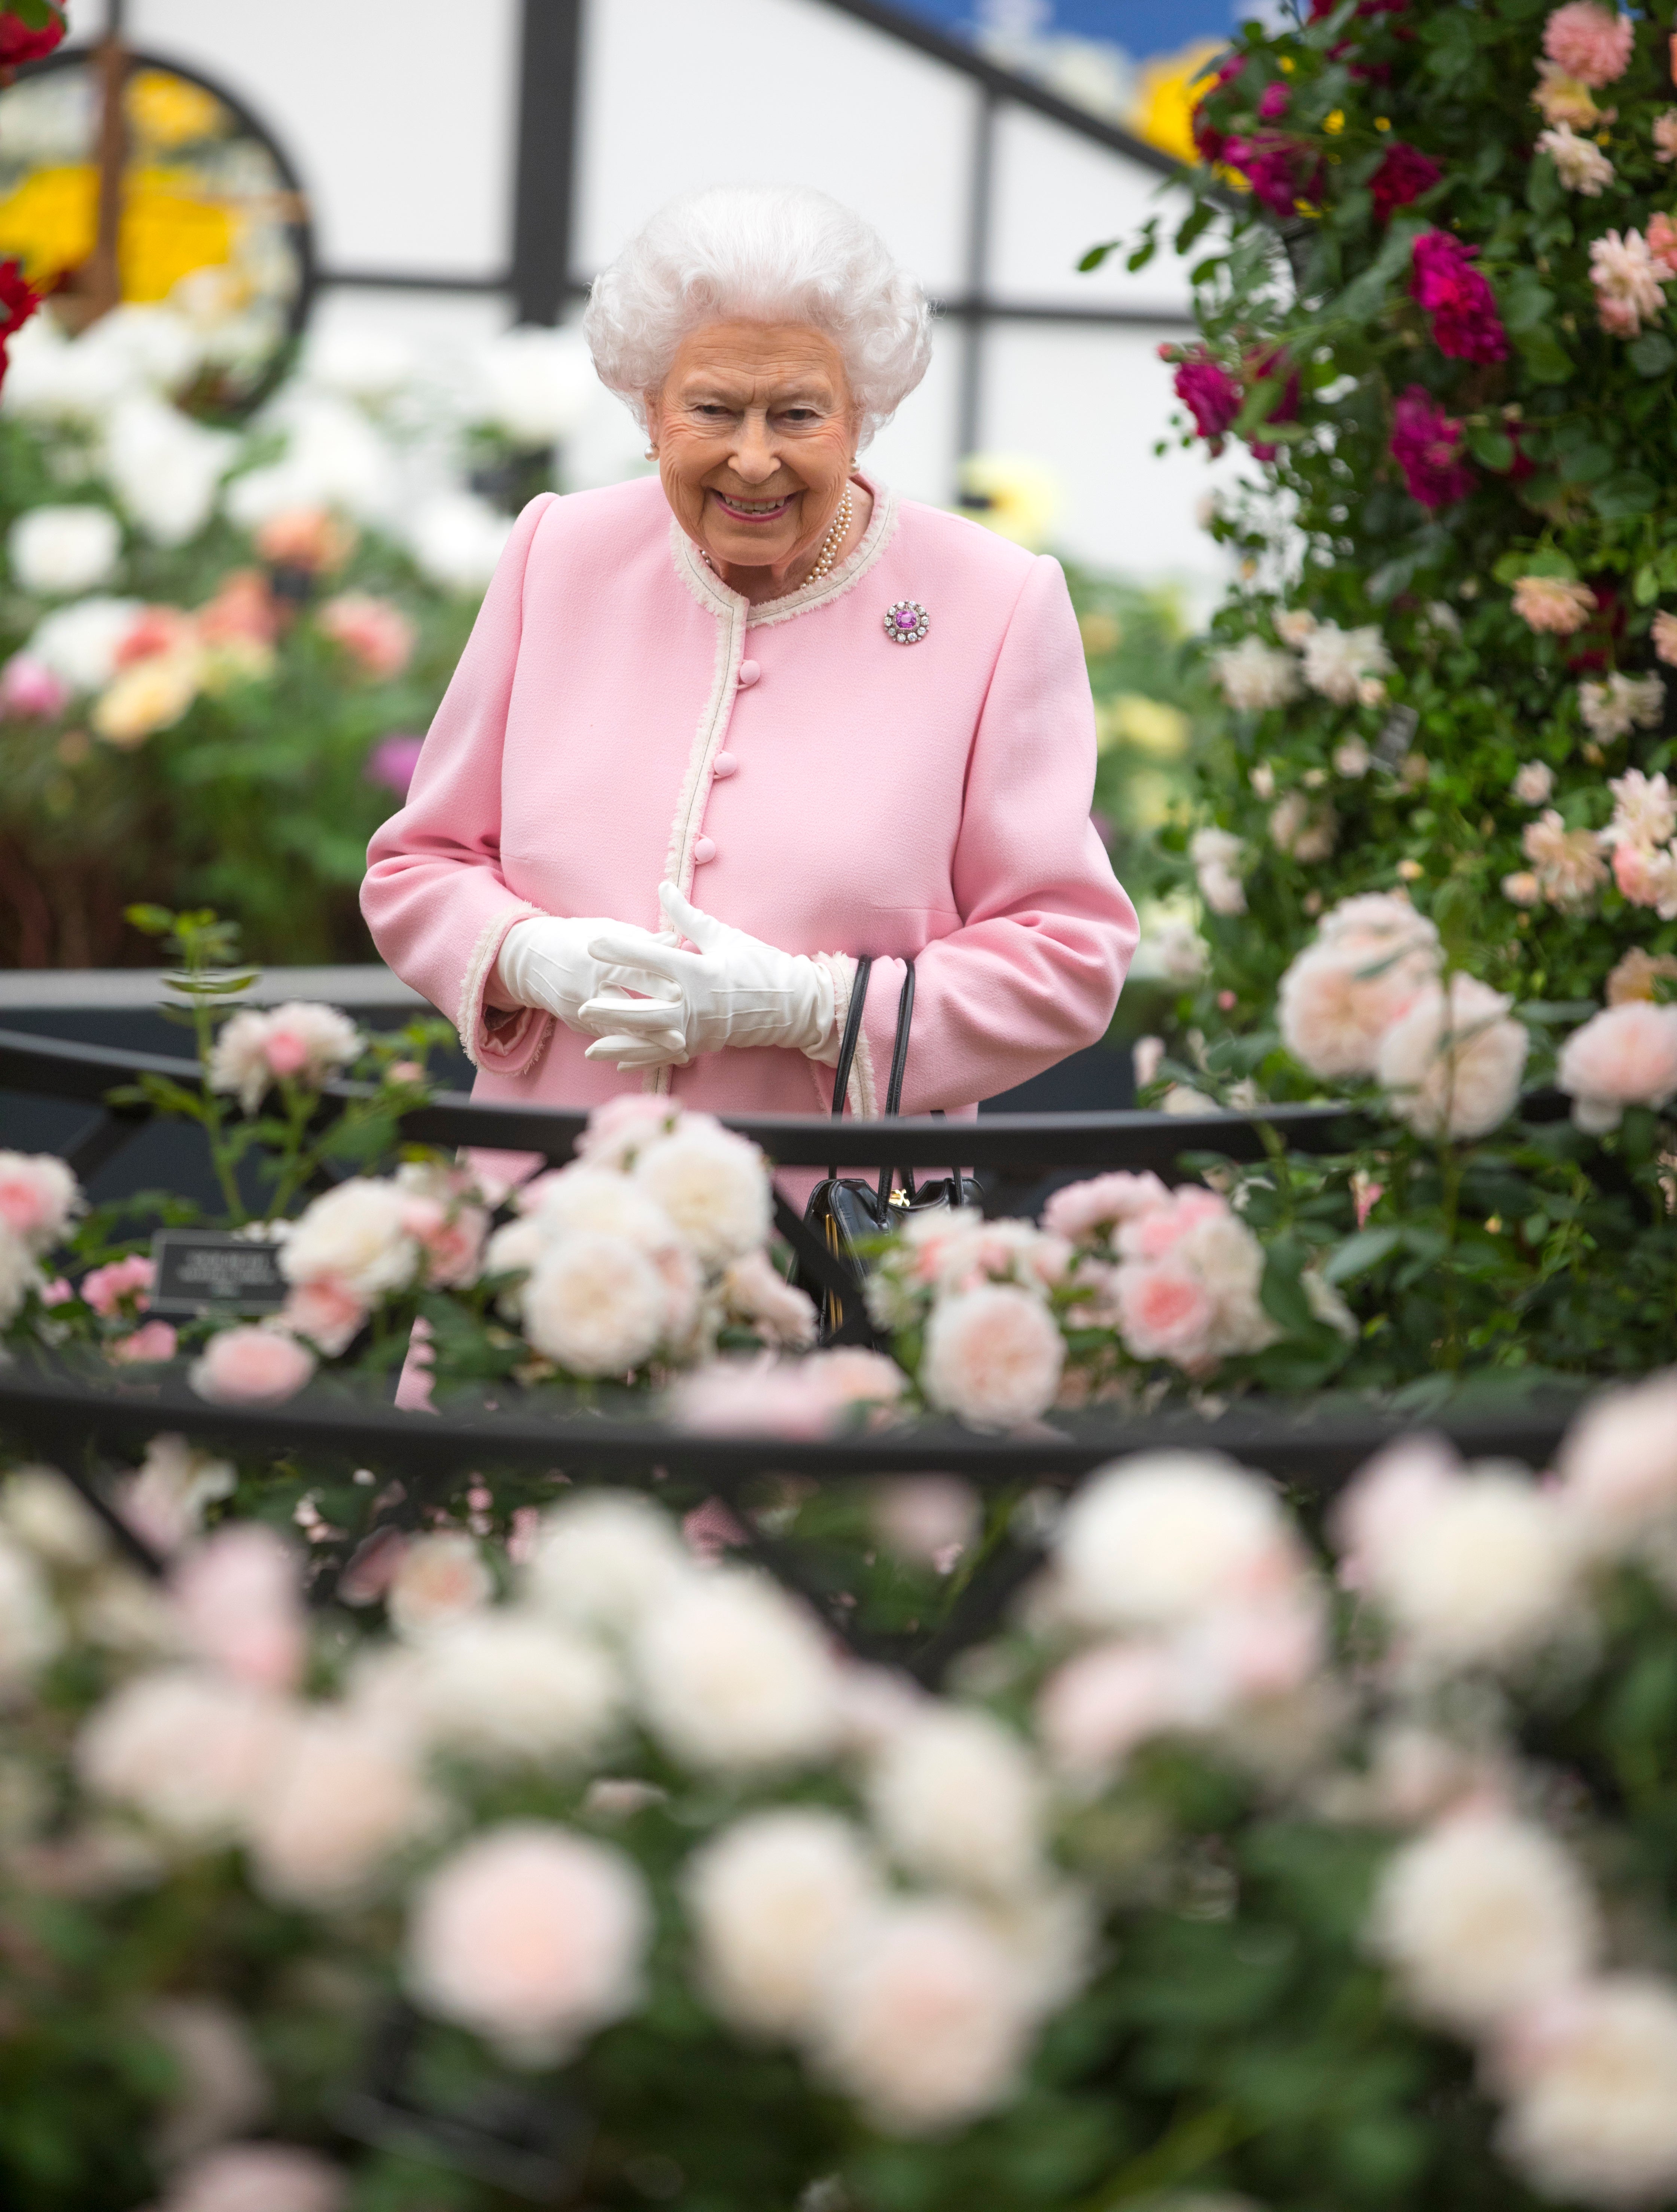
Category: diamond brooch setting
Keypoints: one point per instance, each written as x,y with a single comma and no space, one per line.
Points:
906,623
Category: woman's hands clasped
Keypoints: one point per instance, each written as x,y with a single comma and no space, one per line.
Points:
549,962
735,990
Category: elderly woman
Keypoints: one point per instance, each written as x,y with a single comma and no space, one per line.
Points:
717,733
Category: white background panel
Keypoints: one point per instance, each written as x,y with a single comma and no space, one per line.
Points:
678,95
1055,195
399,114
1090,405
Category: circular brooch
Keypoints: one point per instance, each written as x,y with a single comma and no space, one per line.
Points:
906,623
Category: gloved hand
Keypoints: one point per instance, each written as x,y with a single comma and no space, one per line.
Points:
546,962
735,990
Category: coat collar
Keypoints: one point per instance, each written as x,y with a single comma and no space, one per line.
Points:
711,592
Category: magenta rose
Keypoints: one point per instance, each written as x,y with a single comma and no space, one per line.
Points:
1211,396
1404,175
1444,282
1426,445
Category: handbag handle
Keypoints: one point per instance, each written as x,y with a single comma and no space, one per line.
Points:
853,1030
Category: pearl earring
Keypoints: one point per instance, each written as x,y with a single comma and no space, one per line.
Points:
652,454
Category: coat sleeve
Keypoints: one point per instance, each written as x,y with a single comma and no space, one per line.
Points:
1047,933
434,895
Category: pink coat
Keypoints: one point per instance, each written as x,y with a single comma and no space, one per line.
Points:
620,715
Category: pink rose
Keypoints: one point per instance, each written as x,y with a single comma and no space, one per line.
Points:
1101,1203
1393,1494
39,1197
529,1936
325,1313
1095,1711
710,1530
343,1796
1148,1236
121,1285
1619,1464
1552,603
1466,323
251,1366
153,1339
236,1598
377,636
923,1518
1591,44
451,1237
994,1356
1165,1311
1624,1056
31,690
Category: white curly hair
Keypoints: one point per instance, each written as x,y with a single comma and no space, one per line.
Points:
761,253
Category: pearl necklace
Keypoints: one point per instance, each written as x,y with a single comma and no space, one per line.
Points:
830,545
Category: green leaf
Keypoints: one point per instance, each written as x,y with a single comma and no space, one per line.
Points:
1493,449
1198,222
150,920
1546,360
1542,561
1647,586
1626,492
1097,254
1652,353
1360,1253
1585,462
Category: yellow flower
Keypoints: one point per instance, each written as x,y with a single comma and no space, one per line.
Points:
1149,724
1334,122
150,695
231,660
169,229
1011,495
170,111
1102,633
1167,92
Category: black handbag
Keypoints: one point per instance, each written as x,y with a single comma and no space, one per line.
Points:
843,1210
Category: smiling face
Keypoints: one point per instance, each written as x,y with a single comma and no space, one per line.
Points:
755,430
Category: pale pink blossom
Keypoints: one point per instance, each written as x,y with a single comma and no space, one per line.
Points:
188,1749
152,1340
120,1286
1164,1312
711,1530
1665,135
1624,1056
1343,992
1638,975
1613,707
1552,603
1665,622
249,1365
758,1294
736,1677
992,1355
1579,164
342,1798
237,1601
439,1578
1095,1709
1391,1495
1648,879
624,1127
1628,281
595,1304
1080,1209
531,1936
1591,2078
256,2177
220,2087
1645,810
325,1313
1534,784
1562,98
39,1197
1150,1233
1165,1539
1451,1066
1590,43
1523,889
1662,240
30,691
301,1041
376,635
165,1502
764,1396
925,1517
354,1237
451,1237
1618,1466
773,1899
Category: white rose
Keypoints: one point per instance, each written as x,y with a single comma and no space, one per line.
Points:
956,1797
925,2018
29,1630
597,1305
1338,661
47,1517
1453,1068
1160,1539
440,1579
1593,2116
1619,1464
514,1248
361,364
79,643
994,1355
603,1560
501,1686
56,550
190,1750
1253,677
165,468
1483,1572
1343,992
535,384
531,1936
712,1185
734,1674
457,541
1481,1916
341,1799
355,1236
773,1899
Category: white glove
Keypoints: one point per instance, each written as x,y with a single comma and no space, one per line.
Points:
545,961
735,990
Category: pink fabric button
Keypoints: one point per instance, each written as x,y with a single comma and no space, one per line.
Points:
704,850
725,764
749,673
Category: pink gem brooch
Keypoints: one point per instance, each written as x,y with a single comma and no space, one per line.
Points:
906,623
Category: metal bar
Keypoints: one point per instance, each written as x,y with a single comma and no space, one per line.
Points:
140,1553
969,410
910,31
102,1141
545,178
1315,1445
415,280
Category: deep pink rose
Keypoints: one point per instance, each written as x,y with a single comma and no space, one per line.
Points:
1426,445
1276,100
30,691
393,762
1211,396
1466,324
1208,138
1404,175
1281,170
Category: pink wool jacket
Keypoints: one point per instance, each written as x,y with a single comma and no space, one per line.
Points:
620,715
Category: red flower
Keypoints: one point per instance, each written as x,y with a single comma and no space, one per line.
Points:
1281,170
1257,368
1320,8
1426,445
1403,176
1211,396
1208,138
1465,323
1276,100
20,44
17,303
